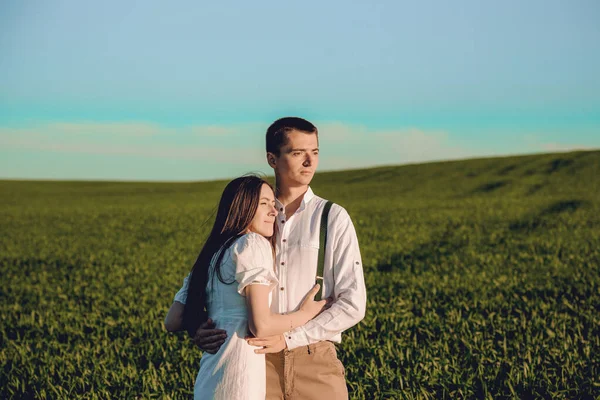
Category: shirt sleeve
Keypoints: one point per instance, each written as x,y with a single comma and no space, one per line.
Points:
181,295
350,294
254,265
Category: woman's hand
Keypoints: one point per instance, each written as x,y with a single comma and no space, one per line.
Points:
311,306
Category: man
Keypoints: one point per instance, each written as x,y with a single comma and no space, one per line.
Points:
303,363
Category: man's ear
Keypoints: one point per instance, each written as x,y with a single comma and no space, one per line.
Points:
272,160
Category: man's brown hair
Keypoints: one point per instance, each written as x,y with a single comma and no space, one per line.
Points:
277,132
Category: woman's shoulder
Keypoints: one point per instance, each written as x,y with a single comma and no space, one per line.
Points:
251,239
250,246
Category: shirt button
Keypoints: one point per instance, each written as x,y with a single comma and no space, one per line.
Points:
357,263
281,289
289,337
283,221
283,263
281,209
284,240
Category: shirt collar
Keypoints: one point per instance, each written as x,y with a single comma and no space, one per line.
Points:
308,196
306,199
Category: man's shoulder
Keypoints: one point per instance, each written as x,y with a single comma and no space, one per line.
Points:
336,212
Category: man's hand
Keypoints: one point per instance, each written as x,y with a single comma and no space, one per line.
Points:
208,338
269,344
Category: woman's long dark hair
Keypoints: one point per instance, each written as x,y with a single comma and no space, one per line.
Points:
236,211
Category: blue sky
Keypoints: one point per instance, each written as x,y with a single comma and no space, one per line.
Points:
184,90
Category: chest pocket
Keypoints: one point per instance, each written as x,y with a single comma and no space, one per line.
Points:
304,235
307,250
309,245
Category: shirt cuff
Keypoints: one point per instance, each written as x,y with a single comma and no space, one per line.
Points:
296,338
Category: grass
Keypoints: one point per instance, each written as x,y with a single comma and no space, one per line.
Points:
483,281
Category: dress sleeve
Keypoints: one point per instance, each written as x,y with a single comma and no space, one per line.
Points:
253,258
181,295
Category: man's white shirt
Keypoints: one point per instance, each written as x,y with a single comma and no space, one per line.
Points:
296,265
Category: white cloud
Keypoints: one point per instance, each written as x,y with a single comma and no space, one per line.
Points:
564,147
206,143
219,155
337,132
127,129
240,147
135,129
536,143
226,146
343,145
354,146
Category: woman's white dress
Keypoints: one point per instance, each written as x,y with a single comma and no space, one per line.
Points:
235,371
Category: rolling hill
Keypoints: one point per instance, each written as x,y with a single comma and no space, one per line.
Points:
483,279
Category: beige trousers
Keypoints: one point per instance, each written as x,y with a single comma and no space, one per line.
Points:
307,372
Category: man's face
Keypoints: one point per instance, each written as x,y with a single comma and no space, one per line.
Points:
298,159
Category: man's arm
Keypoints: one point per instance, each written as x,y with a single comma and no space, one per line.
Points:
350,296
174,318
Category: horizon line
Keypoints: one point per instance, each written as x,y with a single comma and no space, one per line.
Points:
441,161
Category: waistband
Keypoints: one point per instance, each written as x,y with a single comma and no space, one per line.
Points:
311,348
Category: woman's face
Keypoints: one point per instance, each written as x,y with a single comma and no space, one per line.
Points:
265,213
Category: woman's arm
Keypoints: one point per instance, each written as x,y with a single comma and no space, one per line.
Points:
174,318
263,322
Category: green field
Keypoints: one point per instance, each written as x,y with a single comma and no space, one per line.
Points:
483,281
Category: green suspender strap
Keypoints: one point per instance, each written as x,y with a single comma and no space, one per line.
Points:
322,244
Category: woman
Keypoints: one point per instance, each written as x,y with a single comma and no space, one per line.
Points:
231,282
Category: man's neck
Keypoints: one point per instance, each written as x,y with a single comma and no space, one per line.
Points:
290,197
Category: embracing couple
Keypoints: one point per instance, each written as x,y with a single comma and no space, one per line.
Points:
256,276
